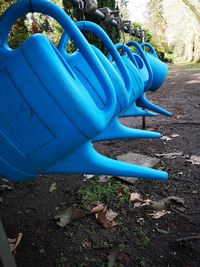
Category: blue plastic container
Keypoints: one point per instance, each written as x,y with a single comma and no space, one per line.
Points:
153,72
126,84
47,115
45,110
159,69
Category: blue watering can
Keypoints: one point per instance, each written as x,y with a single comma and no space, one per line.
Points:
38,122
159,68
153,72
115,129
47,115
138,73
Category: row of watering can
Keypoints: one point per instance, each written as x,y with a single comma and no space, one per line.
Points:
54,105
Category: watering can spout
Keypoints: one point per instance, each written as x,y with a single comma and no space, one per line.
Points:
116,130
143,102
87,160
134,111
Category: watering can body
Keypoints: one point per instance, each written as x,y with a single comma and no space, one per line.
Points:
47,115
119,75
159,69
45,111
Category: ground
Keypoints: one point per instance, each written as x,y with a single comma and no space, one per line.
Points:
31,208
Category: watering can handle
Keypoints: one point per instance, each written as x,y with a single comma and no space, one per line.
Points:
46,7
126,49
152,50
142,54
98,31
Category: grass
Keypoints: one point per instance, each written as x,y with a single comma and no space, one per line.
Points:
184,66
142,239
113,191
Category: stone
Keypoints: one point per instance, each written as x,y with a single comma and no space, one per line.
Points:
139,159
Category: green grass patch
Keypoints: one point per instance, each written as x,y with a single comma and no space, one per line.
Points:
142,239
111,191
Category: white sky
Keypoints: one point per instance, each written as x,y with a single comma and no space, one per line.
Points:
137,9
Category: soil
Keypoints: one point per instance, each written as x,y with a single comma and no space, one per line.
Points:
30,208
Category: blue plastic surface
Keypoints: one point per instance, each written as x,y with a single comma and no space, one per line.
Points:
48,117
38,125
132,81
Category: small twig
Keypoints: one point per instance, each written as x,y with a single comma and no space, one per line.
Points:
194,237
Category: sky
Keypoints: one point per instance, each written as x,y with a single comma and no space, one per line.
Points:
137,8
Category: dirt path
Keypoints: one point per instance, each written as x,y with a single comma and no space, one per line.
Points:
138,240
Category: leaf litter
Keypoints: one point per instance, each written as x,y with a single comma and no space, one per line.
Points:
160,208
103,216
14,243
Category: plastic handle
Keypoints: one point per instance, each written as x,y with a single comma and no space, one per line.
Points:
126,49
46,7
144,57
152,50
98,31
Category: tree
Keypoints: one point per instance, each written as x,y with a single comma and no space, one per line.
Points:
77,15
19,31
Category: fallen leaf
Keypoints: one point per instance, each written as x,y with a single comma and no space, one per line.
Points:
52,187
136,197
98,208
14,243
5,187
158,205
171,155
166,138
175,135
146,202
67,215
88,176
158,214
162,231
173,200
103,220
104,178
194,160
111,215
179,116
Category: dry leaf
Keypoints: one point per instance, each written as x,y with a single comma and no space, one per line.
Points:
194,160
5,187
104,178
98,208
166,138
52,187
158,214
103,220
171,155
67,215
14,243
135,197
175,135
111,215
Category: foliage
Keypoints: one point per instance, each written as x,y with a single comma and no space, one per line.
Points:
19,31
104,192
77,15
